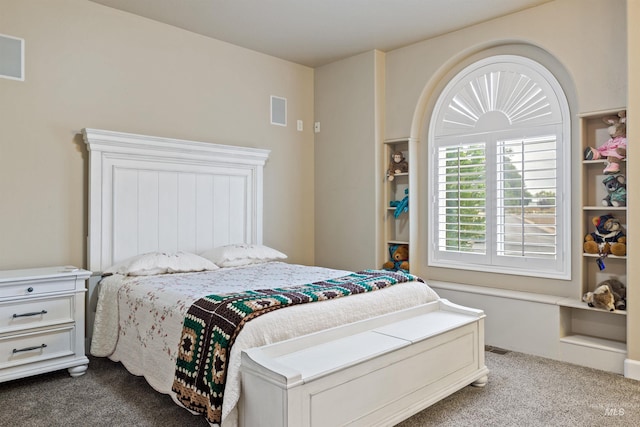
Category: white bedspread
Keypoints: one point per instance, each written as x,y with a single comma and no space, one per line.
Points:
139,319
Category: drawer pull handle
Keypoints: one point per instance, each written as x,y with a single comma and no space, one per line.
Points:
37,347
35,313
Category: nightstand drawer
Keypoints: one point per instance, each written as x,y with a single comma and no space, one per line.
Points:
35,312
36,346
28,288
42,321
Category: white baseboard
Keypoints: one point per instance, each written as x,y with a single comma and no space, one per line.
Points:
632,369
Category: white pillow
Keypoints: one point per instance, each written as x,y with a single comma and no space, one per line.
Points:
242,254
186,262
160,262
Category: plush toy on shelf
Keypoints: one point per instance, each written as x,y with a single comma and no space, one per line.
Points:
615,149
401,206
398,258
608,295
398,164
608,238
616,190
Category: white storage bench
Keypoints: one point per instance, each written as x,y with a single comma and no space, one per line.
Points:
377,371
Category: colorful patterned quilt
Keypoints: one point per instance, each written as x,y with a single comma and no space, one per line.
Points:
213,323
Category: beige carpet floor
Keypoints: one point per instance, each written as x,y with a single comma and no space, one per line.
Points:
523,390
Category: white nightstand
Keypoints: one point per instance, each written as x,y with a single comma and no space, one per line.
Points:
42,321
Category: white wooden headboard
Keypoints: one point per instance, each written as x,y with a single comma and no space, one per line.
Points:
159,194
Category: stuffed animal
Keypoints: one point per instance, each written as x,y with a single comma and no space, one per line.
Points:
399,258
608,237
402,206
616,190
398,164
609,295
615,149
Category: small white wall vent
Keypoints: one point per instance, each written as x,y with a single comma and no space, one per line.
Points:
278,111
11,57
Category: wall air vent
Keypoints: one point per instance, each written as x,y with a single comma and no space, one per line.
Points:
11,57
278,111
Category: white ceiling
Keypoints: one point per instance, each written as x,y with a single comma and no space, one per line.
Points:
316,32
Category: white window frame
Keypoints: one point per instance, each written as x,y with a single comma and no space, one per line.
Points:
445,132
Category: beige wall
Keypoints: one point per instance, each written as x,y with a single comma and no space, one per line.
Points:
633,177
587,36
345,158
91,66
587,52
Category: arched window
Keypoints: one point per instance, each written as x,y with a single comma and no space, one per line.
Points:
499,146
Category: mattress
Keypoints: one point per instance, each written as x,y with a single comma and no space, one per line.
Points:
139,318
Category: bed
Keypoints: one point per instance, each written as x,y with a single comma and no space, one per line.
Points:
166,207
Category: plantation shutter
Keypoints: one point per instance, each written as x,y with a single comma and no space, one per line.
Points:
526,198
500,171
462,198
